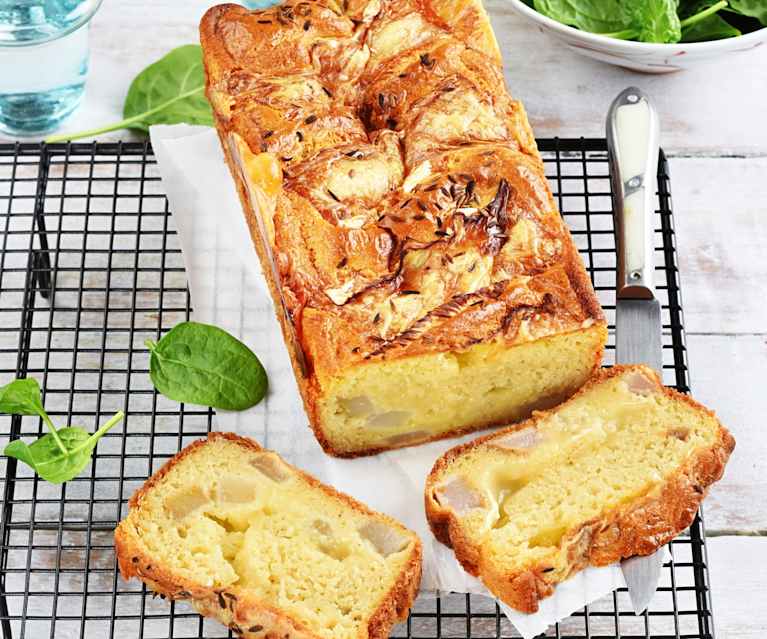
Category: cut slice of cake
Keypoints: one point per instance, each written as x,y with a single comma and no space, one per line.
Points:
265,548
618,470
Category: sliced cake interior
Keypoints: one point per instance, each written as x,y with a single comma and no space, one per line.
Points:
618,470
392,403
263,546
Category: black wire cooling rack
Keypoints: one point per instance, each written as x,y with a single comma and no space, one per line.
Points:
90,267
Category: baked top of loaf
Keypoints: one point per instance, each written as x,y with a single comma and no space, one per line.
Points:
266,548
618,470
396,181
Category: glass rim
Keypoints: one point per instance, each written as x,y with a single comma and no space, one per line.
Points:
81,21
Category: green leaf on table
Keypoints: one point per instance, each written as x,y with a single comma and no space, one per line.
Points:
59,455
169,91
46,458
202,364
750,8
20,451
21,397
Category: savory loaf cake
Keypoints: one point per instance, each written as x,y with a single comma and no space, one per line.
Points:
618,470
266,549
399,207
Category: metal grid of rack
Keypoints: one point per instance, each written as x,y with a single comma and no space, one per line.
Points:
89,268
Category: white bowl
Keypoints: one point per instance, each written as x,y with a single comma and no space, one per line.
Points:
640,56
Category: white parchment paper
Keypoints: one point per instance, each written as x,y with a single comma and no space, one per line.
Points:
228,290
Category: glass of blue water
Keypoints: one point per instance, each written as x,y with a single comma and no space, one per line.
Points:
256,4
43,62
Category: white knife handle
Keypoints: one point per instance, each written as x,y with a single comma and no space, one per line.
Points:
633,133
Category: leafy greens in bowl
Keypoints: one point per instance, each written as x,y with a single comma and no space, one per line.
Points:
658,21
654,36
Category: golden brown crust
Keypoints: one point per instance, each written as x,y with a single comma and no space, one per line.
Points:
304,382
406,210
638,528
307,385
236,607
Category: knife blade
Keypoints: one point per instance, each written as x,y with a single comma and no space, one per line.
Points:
633,134
638,333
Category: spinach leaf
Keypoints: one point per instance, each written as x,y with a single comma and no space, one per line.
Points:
202,364
59,455
656,21
559,10
751,8
598,16
689,8
645,20
710,28
21,397
659,21
168,91
52,464
701,21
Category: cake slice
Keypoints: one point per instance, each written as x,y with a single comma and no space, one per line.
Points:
617,470
265,548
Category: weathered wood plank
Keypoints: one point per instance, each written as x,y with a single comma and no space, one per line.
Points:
719,207
728,376
737,573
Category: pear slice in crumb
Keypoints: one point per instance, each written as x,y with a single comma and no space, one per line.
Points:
271,466
520,440
232,489
184,502
359,406
456,493
386,539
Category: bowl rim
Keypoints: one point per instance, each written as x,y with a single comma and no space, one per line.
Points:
633,45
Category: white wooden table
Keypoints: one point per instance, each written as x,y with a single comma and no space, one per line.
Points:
714,122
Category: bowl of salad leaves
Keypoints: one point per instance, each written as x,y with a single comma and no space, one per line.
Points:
654,36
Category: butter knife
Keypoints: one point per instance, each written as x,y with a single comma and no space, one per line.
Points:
633,133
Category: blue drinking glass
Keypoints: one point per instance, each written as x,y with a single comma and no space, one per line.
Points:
259,4
43,62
